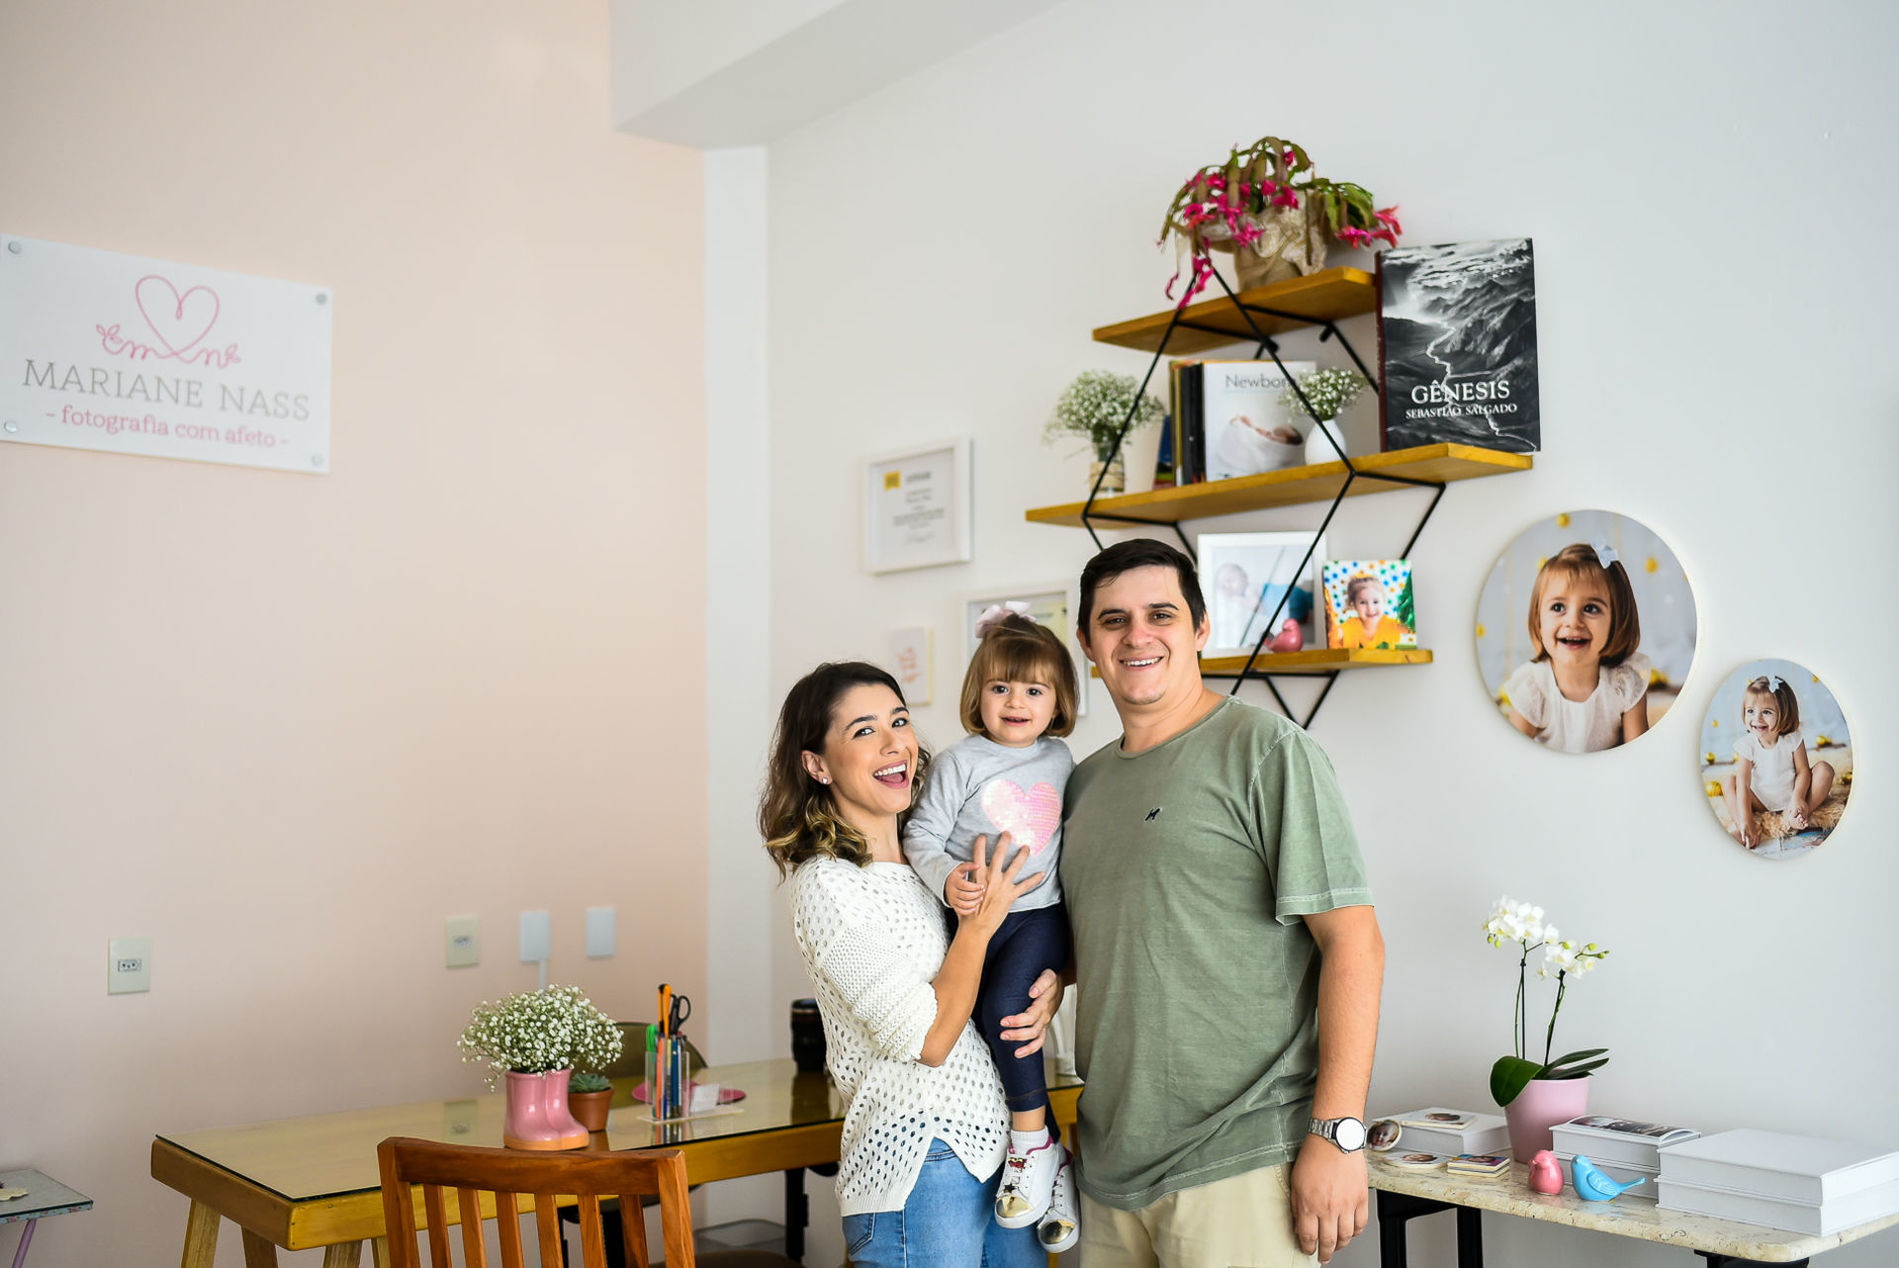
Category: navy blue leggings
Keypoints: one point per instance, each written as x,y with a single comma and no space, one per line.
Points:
1027,943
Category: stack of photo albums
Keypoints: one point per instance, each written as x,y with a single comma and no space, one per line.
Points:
1452,1132
1796,1183
1622,1149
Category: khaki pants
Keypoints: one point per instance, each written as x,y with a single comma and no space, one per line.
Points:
1244,1221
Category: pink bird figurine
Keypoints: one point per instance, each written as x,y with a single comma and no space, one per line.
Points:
1546,1174
1290,637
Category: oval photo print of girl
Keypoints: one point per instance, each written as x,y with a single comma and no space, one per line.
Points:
1776,759
1585,631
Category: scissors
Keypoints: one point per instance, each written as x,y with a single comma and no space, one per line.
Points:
677,1013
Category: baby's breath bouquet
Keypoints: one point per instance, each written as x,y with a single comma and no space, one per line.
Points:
1095,405
1331,390
554,1028
1522,925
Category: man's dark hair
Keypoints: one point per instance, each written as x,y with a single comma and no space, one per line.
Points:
1140,552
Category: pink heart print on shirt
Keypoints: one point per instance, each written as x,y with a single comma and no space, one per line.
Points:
1030,818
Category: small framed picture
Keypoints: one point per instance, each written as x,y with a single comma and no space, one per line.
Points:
917,508
1045,605
1245,577
910,660
1369,604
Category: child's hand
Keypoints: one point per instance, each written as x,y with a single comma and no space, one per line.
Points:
1797,817
962,891
1001,885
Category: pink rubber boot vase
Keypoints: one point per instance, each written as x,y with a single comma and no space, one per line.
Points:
535,1118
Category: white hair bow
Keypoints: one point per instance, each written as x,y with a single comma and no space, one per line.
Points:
1773,682
1605,553
993,614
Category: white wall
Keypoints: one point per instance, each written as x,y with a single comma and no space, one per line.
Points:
1700,180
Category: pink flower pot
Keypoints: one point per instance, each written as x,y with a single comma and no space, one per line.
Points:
1541,1105
537,1116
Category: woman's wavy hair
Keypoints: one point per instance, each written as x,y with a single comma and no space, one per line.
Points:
797,815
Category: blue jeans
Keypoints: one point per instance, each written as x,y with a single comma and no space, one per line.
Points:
948,1221
1027,942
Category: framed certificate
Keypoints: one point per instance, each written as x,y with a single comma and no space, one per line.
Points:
917,508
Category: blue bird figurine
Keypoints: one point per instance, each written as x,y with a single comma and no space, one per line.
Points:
1593,1185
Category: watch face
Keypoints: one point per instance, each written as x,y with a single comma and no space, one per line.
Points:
1350,1134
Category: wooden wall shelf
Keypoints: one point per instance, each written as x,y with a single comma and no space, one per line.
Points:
1289,487
1315,660
1328,295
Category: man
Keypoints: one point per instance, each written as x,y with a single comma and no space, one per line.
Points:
1226,950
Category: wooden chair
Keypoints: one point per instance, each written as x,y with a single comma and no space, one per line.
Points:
475,1173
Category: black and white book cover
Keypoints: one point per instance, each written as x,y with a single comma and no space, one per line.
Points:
1457,324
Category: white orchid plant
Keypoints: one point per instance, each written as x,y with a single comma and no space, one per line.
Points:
1522,925
554,1028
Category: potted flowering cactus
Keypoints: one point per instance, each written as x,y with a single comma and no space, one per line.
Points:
1270,209
1536,1095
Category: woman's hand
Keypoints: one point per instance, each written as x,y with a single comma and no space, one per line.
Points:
1000,888
1045,996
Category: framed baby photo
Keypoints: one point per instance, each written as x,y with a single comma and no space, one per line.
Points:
1256,581
1776,759
1585,631
1369,604
1045,605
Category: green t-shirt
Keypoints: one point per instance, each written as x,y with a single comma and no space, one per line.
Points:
1187,868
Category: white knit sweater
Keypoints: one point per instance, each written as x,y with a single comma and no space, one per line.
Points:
873,938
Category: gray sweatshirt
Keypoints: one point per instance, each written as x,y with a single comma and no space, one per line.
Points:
978,787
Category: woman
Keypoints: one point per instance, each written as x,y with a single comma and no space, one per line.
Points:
926,1128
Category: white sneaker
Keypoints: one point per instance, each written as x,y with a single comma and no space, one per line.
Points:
1061,1227
1028,1180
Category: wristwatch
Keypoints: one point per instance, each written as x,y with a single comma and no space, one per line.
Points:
1347,1133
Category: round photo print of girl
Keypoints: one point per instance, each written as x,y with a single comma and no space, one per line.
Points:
1776,759
1585,631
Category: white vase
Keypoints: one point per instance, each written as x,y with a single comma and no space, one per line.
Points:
1318,448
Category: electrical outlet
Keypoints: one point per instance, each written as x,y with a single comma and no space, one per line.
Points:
537,937
600,933
463,934
128,966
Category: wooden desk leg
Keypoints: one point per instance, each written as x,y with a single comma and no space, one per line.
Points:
201,1237
343,1255
379,1250
259,1252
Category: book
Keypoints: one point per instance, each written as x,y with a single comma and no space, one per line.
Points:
1773,1165
1621,1173
1479,1164
1416,1161
1603,1137
1164,455
1484,1134
1820,1219
1243,420
1368,604
1457,335
1184,381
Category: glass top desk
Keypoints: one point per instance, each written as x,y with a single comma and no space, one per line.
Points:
301,1183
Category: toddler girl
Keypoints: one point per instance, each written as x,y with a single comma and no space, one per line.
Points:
1586,688
1770,759
1007,776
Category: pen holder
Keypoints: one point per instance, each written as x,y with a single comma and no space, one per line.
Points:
671,1092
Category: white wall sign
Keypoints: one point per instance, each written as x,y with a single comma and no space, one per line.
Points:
106,351
916,508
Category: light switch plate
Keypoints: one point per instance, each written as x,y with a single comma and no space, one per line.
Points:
600,933
463,934
128,966
537,936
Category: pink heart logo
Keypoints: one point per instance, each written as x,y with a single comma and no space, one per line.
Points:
173,317
1030,818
